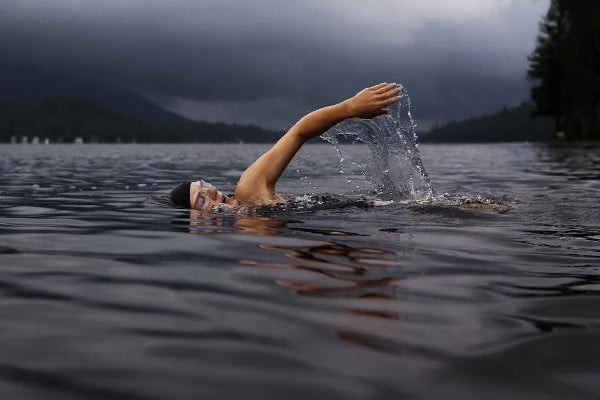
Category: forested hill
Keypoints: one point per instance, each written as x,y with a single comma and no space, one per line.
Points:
565,68
26,84
62,119
48,104
509,125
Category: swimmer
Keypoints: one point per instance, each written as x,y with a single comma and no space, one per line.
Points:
256,186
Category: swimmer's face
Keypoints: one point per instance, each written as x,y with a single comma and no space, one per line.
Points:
204,197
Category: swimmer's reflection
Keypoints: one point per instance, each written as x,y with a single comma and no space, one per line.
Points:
259,225
201,222
335,270
364,274
208,222
349,272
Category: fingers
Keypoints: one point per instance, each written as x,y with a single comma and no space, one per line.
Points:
389,101
388,91
372,102
383,88
379,86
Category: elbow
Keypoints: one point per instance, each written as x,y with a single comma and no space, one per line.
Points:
302,132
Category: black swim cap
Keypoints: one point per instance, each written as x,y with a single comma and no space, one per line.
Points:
180,195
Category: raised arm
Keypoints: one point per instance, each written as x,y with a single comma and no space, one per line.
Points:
257,183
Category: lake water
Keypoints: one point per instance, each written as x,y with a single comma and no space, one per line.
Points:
108,294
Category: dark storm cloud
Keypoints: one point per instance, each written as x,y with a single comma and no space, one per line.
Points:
245,59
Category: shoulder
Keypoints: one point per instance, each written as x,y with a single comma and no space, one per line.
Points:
257,197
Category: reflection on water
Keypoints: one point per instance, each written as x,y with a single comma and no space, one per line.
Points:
257,225
327,270
106,294
347,268
201,222
573,161
340,271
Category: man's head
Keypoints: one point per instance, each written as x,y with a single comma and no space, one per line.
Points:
199,195
180,195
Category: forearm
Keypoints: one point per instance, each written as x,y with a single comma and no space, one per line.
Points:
319,121
265,171
368,103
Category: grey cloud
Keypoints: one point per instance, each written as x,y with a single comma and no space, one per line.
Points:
235,52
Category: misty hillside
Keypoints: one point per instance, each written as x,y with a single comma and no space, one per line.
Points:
62,119
509,125
24,85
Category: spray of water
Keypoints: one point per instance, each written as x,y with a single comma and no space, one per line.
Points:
394,167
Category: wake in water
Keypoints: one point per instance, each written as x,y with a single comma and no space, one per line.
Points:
434,204
394,166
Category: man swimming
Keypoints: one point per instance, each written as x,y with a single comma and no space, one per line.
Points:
257,184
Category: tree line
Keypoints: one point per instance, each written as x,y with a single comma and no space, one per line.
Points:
66,118
565,69
511,124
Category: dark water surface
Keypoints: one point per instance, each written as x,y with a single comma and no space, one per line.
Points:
107,294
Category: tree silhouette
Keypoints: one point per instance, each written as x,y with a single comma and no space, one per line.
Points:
565,68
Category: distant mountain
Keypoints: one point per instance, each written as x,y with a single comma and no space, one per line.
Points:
509,125
25,85
62,119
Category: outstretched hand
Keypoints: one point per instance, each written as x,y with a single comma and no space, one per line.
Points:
372,102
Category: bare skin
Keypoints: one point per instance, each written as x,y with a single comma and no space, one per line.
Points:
205,198
257,184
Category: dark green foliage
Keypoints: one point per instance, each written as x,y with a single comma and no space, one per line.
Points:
62,119
565,68
49,104
509,125
26,84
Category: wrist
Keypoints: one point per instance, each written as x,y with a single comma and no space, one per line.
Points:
347,108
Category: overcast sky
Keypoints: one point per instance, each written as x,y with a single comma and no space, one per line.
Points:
268,62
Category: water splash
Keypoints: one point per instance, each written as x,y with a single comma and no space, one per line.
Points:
394,167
